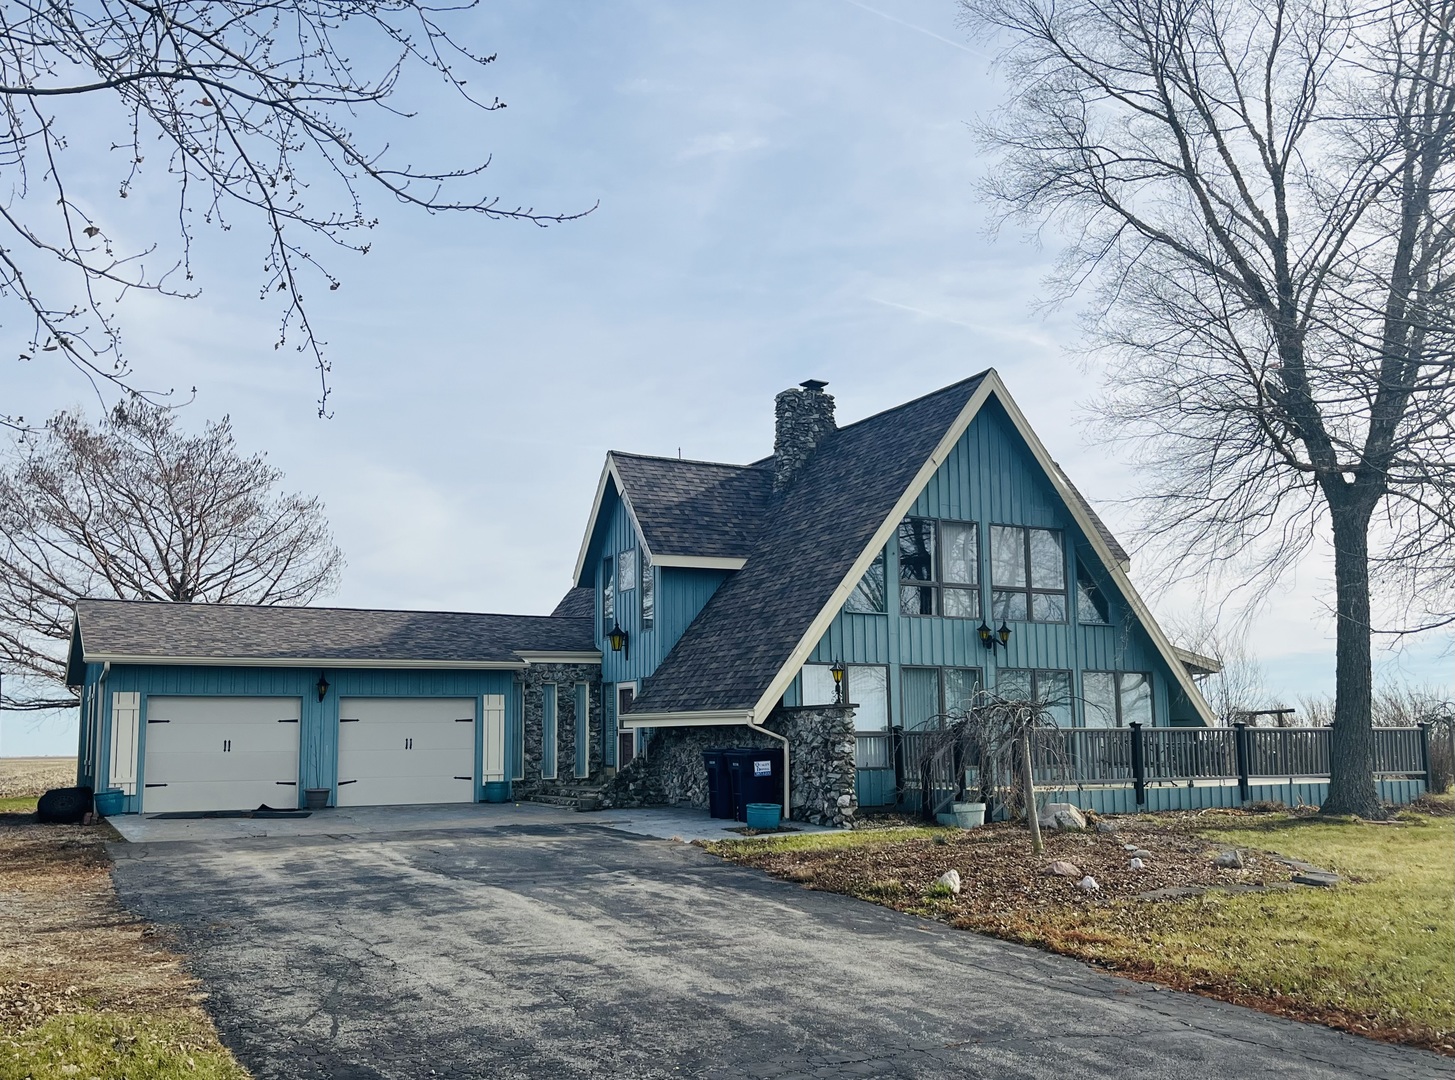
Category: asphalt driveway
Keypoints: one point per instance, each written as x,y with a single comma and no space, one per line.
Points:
579,951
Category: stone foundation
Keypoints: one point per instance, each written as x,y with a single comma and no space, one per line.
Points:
821,754
565,676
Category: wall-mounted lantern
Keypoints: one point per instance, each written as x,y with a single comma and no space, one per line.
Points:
322,686
837,671
617,638
993,638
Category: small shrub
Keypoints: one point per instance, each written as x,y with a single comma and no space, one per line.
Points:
1267,806
892,889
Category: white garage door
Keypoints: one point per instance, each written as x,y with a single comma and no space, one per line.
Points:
405,750
220,753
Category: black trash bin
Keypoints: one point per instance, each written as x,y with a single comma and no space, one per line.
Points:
719,785
756,776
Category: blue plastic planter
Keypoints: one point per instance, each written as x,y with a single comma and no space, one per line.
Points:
109,803
764,815
497,791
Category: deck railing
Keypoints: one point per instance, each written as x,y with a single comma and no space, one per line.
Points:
1078,757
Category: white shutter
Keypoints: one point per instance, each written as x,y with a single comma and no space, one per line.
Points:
494,767
125,724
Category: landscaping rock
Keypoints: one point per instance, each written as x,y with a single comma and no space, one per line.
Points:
1105,827
1136,863
1062,868
1063,816
1320,879
1229,860
1129,847
951,880
1143,854
1088,884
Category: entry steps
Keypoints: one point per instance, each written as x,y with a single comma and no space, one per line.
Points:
574,796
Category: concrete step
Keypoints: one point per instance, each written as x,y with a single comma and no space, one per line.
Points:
574,802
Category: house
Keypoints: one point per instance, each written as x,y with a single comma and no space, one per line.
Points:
925,552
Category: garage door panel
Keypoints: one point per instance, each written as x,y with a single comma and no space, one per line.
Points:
395,751
220,753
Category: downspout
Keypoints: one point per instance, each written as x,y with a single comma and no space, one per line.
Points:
787,765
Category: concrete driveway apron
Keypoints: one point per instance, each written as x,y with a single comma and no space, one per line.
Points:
579,951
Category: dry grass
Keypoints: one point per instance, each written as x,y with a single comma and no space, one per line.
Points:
22,776
86,989
1371,956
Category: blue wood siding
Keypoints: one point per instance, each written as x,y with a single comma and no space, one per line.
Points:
991,478
318,728
681,594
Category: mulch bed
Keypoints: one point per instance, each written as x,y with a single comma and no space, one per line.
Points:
1002,883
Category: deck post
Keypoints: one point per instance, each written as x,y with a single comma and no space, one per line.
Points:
1139,764
1425,751
1240,748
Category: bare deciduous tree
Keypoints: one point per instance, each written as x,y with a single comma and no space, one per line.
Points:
1262,198
133,509
268,111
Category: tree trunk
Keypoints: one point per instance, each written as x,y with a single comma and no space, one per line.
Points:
1351,751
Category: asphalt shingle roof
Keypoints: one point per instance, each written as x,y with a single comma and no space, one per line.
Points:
820,525
699,508
578,603
163,631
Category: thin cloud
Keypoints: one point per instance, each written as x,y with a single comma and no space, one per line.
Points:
921,30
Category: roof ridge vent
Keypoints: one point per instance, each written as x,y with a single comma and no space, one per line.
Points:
804,415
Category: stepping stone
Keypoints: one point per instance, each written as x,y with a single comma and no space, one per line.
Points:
1321,879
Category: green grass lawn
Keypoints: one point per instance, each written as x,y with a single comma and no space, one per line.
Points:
18,804
84,1045
1375,955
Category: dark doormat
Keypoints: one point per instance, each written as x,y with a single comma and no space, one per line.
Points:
260,812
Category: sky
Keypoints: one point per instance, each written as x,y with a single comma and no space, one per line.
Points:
782,191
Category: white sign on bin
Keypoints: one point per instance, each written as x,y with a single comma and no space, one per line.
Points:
762,768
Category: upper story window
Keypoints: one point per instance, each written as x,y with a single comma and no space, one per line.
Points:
1027,574
649,595
1091,604
608,594
939,568
626,571
868,597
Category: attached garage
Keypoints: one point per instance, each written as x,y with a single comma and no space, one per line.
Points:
394,751
220,753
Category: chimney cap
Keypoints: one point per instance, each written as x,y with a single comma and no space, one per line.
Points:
813,384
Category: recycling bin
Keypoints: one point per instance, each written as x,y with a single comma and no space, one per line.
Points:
756,776
719,786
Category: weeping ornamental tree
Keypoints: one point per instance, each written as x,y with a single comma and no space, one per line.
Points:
134,509
1261,197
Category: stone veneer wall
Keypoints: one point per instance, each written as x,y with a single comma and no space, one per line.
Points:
821,753
565,676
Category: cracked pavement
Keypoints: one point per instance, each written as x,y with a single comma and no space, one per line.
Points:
578,951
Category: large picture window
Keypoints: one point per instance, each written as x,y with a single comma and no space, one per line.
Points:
928,694
866,686
1116,698
1027,574
1051,687
939,568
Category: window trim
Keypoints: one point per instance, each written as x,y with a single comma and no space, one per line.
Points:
1028,590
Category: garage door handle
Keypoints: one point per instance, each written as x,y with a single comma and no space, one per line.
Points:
155,785
293,721
286,783
348,719
464,778
341,783
151,721
465,720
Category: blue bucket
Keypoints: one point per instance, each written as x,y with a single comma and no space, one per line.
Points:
497,791
109,803
764,815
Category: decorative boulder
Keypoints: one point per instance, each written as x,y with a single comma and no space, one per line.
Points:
1061,815
1137,864
1088,884
1105,827
1142,853
1229,860
1062,868
951,880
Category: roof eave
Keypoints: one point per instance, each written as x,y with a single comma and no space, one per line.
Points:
305,661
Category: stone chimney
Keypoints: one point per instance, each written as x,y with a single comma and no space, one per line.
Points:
804,417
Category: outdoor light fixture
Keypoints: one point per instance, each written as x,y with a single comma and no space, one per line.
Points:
991,638
837,671
617,637
322,686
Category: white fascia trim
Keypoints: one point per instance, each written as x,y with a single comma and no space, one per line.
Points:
1206,665
609,471
560,657
699,562
738,717
308,662
820,624
1113,566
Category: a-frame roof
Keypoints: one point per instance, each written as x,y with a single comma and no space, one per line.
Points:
745,646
